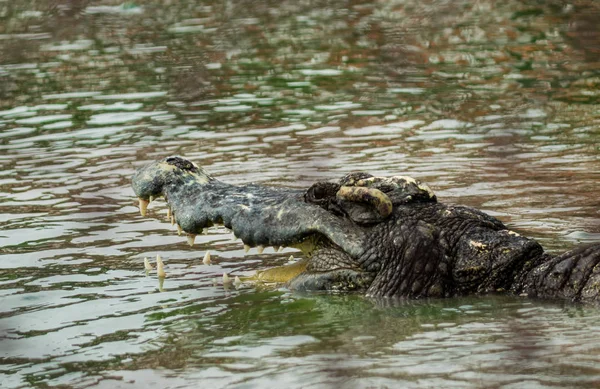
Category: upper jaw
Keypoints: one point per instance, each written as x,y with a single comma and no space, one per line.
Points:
260,216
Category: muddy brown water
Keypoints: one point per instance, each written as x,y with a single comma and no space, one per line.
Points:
494,105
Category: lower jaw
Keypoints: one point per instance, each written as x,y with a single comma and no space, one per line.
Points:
341,280
282,274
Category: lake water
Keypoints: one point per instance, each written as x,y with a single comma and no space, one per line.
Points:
495,106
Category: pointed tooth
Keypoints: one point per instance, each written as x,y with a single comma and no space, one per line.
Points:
206,259
147,264
226,279
143,206
276,248
246,248
291,258
280,249
237,281
190,239
179,230
160,271
150,199
205,231
160,267
172,220
169,213
260,249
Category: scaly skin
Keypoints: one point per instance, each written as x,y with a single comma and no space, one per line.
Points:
381,236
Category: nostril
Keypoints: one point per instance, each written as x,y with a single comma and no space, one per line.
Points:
181,163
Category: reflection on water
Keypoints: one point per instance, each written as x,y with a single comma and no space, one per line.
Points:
494,105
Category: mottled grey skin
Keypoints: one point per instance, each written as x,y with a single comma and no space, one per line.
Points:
421,249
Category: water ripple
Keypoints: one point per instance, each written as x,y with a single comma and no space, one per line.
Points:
502,119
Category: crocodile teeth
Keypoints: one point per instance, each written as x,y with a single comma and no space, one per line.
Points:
291,258
160,267
172,220
147,264
179,230
260,249
237,281
169,214
143,206
206,259
226,279
190,239
280,249
150,199
246,248
276,248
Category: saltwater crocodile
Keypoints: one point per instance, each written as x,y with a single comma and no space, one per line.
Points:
383,236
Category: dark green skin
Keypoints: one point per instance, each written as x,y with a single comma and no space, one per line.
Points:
422,249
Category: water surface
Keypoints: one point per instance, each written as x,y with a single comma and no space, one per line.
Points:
495,106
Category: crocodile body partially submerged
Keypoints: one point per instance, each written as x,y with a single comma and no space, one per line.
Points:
376,235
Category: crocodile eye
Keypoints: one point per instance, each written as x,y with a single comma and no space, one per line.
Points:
321,192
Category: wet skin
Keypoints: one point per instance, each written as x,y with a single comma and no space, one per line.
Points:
383,236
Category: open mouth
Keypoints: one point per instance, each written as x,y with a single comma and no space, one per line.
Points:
330,223
307,245
261,217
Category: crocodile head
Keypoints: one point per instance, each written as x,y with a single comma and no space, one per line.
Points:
341,227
